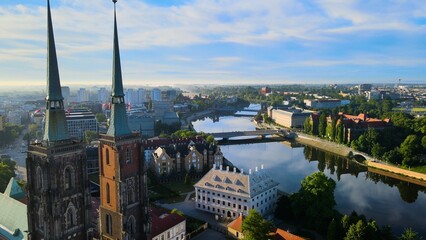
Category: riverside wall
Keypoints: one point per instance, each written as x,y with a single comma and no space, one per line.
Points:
344,151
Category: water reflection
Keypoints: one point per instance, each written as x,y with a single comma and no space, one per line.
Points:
389,201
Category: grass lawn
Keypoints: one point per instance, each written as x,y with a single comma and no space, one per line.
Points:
420,169
180,187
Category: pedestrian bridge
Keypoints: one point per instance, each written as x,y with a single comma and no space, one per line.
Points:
258,133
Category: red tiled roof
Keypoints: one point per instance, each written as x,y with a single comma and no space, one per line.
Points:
284,235
237,224
163,220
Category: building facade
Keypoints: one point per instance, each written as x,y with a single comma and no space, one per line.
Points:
123,210
167,226
57,187
291,118
185,158
230,194
80,121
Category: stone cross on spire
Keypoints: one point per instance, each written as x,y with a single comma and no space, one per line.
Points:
118,121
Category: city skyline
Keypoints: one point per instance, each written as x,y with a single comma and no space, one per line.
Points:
218,42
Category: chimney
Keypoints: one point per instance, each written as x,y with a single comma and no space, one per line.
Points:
235,169
214,165
242,171
227,168
220,167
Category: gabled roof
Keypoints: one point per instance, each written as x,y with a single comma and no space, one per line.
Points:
13,190
237,224
13,218
241,184
163,220
280,234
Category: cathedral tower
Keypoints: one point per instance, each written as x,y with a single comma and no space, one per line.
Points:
123,211
56,167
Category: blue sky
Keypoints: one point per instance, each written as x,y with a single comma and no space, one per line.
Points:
217,41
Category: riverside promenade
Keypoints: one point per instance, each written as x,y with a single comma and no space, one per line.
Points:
345,151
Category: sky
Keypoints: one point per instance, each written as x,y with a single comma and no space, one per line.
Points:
168,42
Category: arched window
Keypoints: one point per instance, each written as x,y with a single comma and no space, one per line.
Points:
40,217
130,191
108,197
70,216
107,156
131,226
39,178
128,156
108,224
69,177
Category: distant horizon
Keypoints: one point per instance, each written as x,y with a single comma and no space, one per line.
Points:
40,87
166,42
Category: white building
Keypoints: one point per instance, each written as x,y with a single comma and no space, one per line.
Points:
228,193
167,226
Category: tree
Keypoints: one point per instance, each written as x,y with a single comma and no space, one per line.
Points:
255,227
322,125
409,149
409,234
314,202
356,231
100,117
424,142
7,171
332,231
187,179
307,126
89,136
177,211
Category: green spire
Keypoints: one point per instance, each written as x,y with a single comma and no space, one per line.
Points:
118,122
117,81
55,126
53,84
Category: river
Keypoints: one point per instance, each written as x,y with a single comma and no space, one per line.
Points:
388,201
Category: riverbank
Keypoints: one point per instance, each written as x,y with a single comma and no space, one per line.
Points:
345,151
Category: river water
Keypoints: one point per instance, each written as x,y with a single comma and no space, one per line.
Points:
388,201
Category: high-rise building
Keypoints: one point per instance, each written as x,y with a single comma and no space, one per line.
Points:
66,93
141,95
80,121
82,95
103,95
156,94
123,210
56,168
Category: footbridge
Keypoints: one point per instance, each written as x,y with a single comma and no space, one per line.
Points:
257,133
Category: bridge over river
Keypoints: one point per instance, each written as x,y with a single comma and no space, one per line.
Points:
259,133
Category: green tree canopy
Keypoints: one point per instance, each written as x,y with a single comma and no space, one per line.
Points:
100,117
7,171
409,149
255,227
409,234
314,202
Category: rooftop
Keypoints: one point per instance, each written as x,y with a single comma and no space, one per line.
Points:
163,220
240,184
